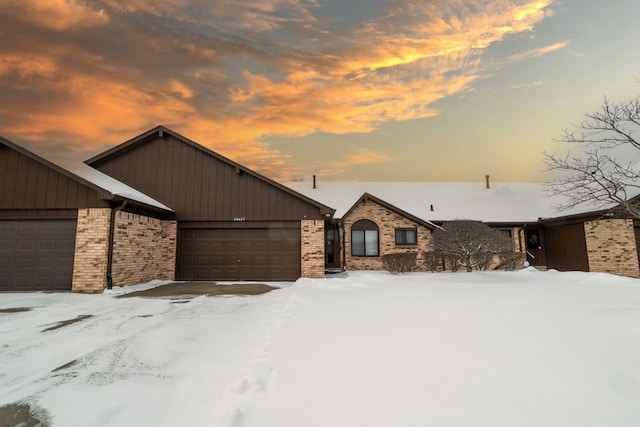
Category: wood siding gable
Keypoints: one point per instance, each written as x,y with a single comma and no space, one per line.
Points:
28,182
200,185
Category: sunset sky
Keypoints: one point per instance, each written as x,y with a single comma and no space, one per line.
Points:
388,90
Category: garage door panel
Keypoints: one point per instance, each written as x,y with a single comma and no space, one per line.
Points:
240,254
36,254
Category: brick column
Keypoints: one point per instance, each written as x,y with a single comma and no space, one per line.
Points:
92,243
312,248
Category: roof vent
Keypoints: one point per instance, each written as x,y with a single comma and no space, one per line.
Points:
431,208
486,178
314,181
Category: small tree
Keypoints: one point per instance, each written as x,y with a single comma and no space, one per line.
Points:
603,173
470,243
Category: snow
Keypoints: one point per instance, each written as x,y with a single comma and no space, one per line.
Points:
114,187
511,202
524,348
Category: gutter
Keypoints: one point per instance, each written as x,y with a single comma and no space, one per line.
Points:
112,223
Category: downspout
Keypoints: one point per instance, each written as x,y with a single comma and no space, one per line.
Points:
343,252
112,226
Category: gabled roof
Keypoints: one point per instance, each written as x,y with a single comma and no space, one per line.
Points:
107,187
366,197
437,202
161,130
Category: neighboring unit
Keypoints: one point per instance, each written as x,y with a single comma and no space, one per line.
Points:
60,231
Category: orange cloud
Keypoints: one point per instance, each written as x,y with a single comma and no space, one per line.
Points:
55,14
228,82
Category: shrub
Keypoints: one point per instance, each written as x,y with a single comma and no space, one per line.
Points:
400,263
432,259
511,260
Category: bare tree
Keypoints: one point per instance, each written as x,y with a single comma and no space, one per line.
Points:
470,243
604,174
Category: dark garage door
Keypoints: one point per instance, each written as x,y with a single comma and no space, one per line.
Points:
239,254
36,254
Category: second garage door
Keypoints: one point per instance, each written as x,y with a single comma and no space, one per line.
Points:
238,254
36,255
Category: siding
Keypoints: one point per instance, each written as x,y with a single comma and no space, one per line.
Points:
29,188
566,247
199,186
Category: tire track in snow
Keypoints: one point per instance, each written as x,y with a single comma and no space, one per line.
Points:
257,376
51,374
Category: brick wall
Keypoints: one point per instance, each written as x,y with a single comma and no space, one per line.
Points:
312,250
611,246
144,249
387,221
92,243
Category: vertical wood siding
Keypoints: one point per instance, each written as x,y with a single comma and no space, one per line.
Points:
566,247
201,187
26,184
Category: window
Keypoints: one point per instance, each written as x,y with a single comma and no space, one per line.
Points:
364,238
406,236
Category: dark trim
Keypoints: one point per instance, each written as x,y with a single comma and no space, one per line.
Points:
161,131
239,224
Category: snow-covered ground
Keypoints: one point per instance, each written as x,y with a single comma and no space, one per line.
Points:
523,348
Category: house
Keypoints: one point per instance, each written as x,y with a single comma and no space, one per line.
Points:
161,206
166,208
400,216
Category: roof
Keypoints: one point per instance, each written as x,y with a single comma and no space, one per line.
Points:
503,202
161,130
94,179
392,208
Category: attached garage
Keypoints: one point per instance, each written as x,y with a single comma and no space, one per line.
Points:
37,254
239,253
54,225
233,223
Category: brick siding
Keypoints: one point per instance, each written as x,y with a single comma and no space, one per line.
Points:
92,244
312,248
611,246
387,222
144,249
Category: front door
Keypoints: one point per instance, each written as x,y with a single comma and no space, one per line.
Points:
332,246
535,247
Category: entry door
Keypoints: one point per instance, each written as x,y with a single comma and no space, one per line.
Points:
332,247
535,247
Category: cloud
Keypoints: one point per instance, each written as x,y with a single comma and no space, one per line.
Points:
527,85
538,51
54,14
229,74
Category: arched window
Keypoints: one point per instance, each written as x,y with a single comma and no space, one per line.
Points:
364,238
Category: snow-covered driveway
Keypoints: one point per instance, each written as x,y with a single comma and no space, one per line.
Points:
525,348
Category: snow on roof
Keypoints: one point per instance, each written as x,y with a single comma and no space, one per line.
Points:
114,186
509,202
